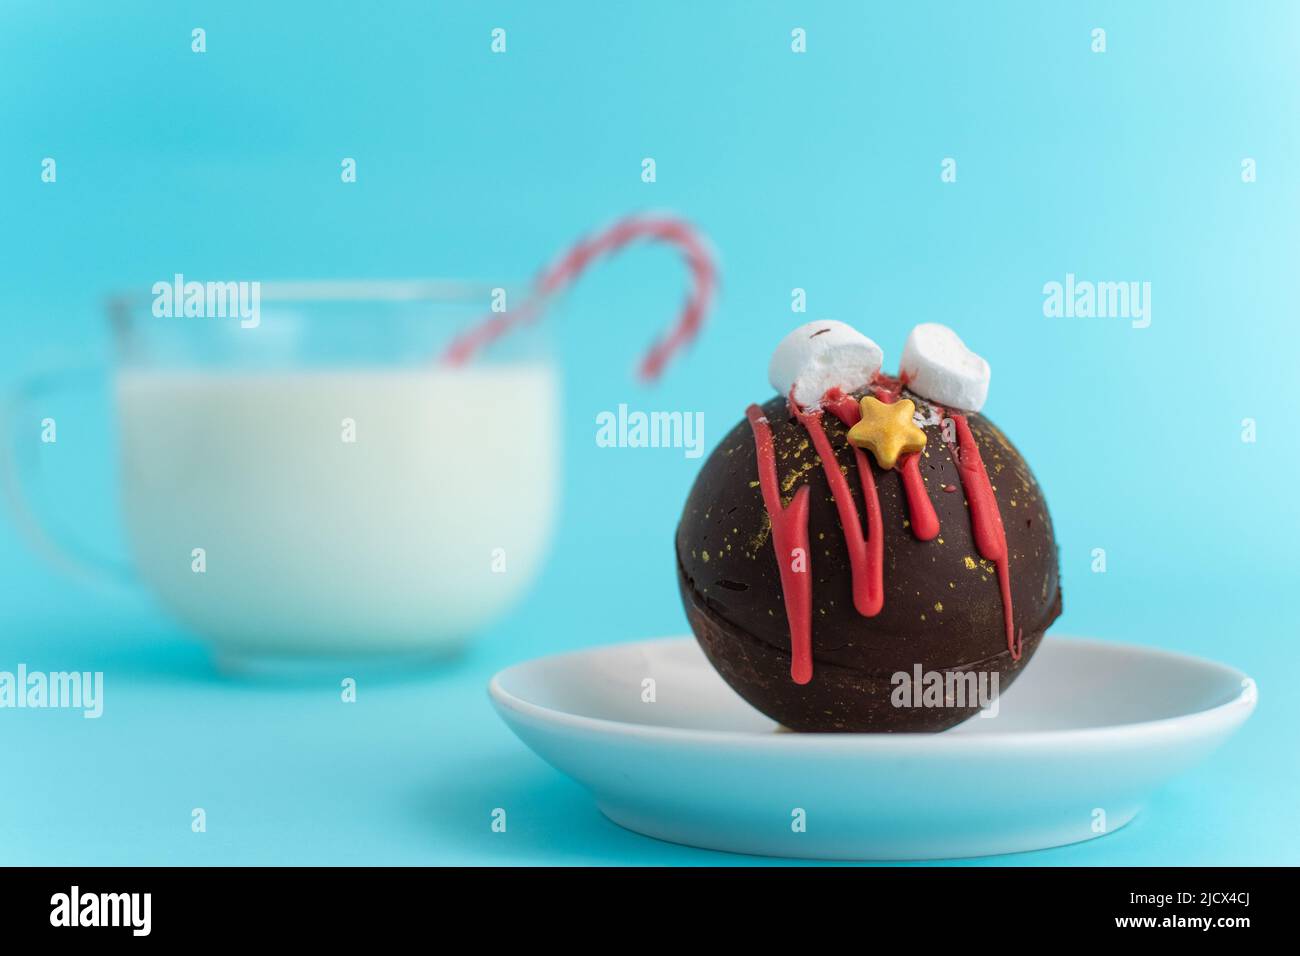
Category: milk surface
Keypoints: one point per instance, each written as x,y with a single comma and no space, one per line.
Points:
421,530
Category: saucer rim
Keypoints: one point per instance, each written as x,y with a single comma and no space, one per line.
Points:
1225,715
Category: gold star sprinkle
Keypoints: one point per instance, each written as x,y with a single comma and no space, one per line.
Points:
887,431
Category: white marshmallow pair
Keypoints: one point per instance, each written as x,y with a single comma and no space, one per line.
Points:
823,355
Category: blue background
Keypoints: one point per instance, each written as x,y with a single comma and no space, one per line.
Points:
818,171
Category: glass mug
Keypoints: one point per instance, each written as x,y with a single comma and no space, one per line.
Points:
318,483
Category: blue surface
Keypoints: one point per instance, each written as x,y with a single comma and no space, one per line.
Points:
819,171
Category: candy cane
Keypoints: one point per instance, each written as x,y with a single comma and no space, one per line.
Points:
574,263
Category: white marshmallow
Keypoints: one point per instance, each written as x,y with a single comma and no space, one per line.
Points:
820,356
939,366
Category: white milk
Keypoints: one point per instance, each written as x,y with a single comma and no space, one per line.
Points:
314,544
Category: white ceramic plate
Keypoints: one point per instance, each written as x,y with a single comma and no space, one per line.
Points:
1079,743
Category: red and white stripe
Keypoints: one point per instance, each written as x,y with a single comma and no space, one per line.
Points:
570,267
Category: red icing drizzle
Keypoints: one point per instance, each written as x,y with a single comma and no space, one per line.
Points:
986,520
844,407
886,388
789,532
866,555
920,509
925,523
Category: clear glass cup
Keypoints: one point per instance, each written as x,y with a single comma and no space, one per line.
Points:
313,481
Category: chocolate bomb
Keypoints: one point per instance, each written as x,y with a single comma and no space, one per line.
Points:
943,610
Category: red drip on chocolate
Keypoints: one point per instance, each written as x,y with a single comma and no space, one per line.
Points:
844,407
986,520
925,522
920,509
866,555
886,388
789,535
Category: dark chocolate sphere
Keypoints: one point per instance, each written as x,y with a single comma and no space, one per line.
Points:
943,608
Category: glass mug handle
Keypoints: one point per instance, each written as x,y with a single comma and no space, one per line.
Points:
59,549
